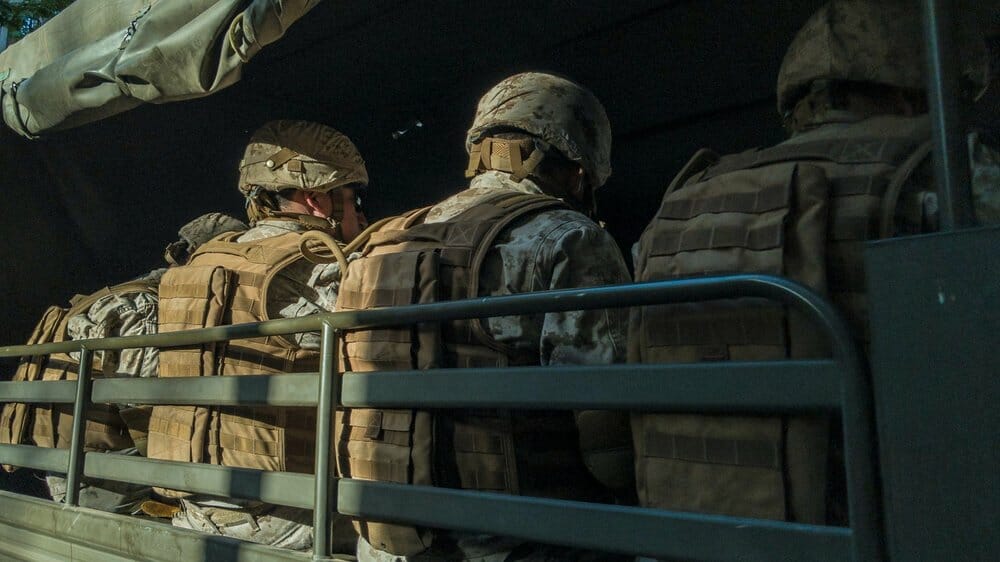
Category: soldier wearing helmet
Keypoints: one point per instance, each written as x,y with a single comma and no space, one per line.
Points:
857,59
302,183
126,309
538,148
851,93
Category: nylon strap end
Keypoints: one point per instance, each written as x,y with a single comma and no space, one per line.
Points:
526,168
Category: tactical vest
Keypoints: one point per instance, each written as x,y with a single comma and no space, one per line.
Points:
108,428
226,282
515,452
801,211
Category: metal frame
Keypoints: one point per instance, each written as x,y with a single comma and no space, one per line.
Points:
718,387
944,94
608,387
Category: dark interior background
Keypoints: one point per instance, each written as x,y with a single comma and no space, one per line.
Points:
97,204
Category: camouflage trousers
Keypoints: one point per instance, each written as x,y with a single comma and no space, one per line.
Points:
280,526
103,495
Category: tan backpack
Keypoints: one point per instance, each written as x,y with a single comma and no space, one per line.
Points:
226,282
800,210
516,452
50,425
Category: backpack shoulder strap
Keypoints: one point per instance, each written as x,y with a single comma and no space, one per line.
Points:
702,160
516,206
223,244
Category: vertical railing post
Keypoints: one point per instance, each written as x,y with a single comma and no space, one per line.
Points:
944,93
329,397
74,472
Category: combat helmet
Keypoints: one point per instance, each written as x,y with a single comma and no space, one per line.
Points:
557,111
874,41
199,231
287,154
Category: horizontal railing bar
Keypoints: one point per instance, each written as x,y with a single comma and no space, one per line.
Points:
299,389
637,294
43,527
608,528
704,387
281,488
38,392
40,458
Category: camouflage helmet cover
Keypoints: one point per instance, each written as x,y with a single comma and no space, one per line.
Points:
199,231
556,110
208,226
877,41
289,154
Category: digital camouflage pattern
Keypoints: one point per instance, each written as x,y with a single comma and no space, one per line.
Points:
867,41
199,231
280,526
300,289
556,110
918,202
289,154
132,314
556,249
208,226
551,250
127,314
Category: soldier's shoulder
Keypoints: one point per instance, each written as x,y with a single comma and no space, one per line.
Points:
562,227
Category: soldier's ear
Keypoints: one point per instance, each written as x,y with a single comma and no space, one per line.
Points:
312,200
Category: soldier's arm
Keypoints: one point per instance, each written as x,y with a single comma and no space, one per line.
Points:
580,254
584,255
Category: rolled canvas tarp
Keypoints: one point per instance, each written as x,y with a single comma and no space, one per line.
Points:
101,57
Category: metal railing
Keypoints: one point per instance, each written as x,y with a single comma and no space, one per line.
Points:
946,109
731,387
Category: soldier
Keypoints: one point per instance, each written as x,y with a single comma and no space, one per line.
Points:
297,178
128,309
851,92
538,148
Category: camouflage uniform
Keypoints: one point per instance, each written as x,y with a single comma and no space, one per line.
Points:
127,314
285,155
850,93
551,250
301,289
554,249
879,43
131,314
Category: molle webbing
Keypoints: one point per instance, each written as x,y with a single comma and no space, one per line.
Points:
411,262
226,282
851,152
797,210
51,425
16,417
